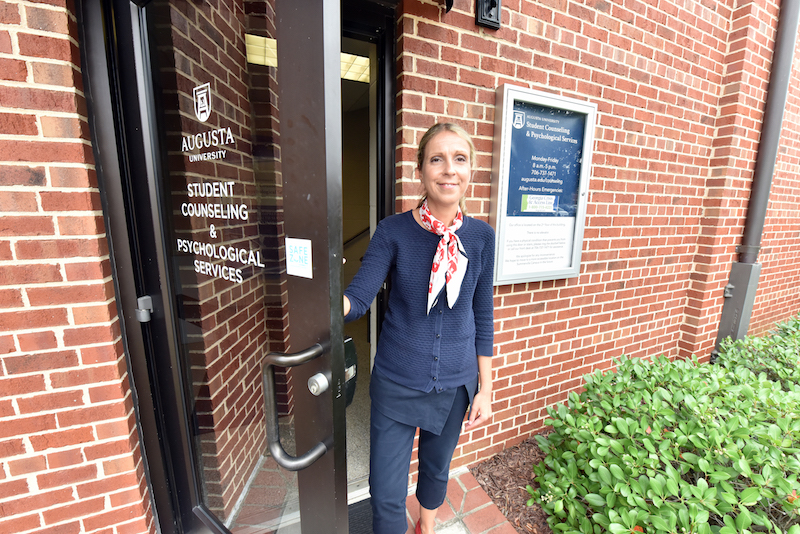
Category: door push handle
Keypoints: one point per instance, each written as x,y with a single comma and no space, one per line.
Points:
280,359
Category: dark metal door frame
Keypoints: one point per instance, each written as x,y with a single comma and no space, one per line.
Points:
106,38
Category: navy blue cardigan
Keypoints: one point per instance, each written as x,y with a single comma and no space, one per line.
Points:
439,350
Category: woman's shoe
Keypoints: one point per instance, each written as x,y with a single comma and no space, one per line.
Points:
418,529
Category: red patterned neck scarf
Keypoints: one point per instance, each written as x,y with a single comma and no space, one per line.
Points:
450,251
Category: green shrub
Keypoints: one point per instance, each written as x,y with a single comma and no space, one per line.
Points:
776,355
673,447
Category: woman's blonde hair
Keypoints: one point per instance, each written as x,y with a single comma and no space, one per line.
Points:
432,132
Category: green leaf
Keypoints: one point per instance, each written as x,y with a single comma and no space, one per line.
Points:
601,519
729,522
743,520
742,432
716,476
774,432
655,484
744,466
617,528
622,425
659,523
605,475
689,457
618,472
672,487
750,496
595,499
683,517
626,518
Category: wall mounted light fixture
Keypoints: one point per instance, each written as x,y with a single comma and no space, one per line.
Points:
487,13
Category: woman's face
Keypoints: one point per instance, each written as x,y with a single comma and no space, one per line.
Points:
445,170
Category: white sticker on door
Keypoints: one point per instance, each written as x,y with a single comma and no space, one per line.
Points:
298,257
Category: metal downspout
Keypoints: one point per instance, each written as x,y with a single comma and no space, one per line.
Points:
741,290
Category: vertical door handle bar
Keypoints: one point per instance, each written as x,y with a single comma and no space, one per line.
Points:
281,359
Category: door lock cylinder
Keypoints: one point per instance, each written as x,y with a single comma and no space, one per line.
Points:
318,384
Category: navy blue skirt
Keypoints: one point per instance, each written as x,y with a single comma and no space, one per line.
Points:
425,410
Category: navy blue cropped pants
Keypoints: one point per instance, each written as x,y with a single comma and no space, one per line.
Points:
391,443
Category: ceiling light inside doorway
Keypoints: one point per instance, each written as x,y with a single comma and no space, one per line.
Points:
264,51
355,68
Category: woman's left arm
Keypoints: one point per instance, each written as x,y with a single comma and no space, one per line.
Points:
483,306
481,410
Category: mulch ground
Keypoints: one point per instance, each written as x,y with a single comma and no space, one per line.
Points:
504,478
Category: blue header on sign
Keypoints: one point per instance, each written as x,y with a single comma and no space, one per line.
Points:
545,162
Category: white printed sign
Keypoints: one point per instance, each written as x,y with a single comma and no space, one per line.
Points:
298,257
542,160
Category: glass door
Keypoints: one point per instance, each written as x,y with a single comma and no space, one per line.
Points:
246,123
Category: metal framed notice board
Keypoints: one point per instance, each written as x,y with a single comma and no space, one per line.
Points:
542,158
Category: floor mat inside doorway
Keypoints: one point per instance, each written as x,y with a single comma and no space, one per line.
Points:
360,517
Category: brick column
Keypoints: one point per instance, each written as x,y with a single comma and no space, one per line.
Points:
740,105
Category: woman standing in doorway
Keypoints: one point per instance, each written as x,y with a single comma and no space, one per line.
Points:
437,336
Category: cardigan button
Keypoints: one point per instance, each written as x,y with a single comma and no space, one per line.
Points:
434,378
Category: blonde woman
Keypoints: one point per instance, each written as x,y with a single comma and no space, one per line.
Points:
433,359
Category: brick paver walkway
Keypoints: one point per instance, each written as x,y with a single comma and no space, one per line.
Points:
466,510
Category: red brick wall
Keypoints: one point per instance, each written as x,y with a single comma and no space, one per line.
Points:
69,451
680,89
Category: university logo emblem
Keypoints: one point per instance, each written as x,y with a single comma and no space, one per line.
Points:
202,101
519,119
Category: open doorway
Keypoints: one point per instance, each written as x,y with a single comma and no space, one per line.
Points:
359,209
368,187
